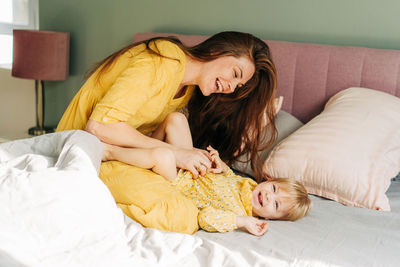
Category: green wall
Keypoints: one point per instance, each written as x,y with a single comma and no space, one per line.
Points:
99,27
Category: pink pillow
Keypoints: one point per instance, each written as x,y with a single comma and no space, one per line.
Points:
348,153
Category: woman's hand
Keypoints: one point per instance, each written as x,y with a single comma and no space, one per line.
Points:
252,225
217,166
197,161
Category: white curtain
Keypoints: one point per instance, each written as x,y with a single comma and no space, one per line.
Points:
15,14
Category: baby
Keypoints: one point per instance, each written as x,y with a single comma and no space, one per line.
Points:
225,200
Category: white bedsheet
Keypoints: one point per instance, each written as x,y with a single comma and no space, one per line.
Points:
55,211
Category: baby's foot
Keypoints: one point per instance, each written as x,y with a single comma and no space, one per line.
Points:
106,152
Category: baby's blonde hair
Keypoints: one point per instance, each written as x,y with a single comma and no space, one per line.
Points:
299,199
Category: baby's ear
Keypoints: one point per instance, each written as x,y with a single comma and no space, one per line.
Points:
266,177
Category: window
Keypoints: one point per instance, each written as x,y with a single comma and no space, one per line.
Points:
15,14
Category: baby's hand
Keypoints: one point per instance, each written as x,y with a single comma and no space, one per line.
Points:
217,165
252,225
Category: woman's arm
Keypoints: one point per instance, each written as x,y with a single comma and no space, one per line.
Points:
124,135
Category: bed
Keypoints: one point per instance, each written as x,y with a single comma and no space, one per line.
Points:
51,221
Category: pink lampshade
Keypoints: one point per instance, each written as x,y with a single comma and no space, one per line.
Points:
41,55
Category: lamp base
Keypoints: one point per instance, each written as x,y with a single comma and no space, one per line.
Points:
35,131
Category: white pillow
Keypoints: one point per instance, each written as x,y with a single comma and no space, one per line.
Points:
348,153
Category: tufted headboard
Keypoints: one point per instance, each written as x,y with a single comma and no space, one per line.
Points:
309,74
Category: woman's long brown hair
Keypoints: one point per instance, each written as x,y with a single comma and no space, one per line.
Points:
233,123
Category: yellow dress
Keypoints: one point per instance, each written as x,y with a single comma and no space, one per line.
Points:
219,198
138,89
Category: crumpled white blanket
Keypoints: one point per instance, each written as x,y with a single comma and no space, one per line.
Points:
55,211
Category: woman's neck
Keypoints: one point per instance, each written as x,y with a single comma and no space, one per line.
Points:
192,71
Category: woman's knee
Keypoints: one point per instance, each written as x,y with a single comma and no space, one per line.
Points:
172,214
187,221
179,215
175,120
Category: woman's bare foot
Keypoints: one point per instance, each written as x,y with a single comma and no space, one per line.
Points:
107,149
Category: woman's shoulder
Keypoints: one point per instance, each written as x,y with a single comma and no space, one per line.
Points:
168,49
166,57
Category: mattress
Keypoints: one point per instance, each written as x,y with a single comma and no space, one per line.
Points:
55,211
331,235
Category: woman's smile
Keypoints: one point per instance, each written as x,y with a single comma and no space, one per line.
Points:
219,87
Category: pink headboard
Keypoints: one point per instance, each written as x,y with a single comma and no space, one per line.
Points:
309,74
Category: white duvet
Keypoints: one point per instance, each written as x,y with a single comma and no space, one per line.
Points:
55,211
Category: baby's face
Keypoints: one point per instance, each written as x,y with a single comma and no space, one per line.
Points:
270,201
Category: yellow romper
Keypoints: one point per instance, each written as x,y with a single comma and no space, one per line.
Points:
138,89
219,197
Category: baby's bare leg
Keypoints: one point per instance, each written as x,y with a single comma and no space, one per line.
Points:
160,160
174,130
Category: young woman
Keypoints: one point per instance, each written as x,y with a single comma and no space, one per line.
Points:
230,81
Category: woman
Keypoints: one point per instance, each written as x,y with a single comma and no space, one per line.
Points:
230,80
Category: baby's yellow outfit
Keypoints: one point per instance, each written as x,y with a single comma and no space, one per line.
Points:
138,89
219,198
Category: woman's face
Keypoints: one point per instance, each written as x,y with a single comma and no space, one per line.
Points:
224,74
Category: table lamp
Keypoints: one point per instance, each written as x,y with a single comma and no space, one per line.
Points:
42,56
